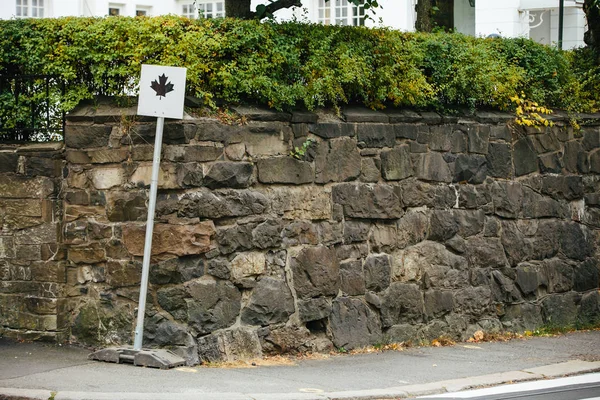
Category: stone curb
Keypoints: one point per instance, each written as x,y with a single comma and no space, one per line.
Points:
573,367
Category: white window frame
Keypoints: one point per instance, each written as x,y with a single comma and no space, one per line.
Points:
119,7
31,8
211,9
146,10
203,9
340,12
188,10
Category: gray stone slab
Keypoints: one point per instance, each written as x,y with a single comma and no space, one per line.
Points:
397,116
362,114
261,114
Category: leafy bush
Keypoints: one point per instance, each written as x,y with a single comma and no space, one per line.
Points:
295,65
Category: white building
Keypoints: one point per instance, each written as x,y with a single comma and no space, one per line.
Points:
536,19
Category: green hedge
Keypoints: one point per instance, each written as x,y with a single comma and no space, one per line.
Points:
297,65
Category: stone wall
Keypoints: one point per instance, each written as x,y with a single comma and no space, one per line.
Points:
32,266
393,226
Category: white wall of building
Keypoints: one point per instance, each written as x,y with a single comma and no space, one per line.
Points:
499,17
464,17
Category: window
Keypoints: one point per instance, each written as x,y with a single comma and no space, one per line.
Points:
30,8
212,9
188,10
340,12
114,11
142,11
204,9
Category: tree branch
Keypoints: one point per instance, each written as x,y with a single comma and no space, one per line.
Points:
279,4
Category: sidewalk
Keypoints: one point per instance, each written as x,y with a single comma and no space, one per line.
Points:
36,371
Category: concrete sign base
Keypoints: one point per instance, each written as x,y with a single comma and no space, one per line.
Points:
154,358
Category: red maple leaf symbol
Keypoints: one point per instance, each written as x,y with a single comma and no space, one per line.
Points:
162,87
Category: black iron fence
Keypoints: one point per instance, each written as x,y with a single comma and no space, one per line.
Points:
30,108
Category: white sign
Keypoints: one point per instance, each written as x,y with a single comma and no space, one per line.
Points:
162,91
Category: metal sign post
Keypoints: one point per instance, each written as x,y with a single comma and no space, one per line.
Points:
162,93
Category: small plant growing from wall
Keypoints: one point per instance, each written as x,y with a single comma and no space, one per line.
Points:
300,152
530,113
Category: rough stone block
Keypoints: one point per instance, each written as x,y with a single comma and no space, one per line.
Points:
233,175
16,186
370,170
302,203
438,303
352,278
316,272
440,138
575,241
247,265
470,169
507,198
486,252
524,157
401,303
586,275
417,194
123,273
368,201
172,239
560,309
214,304
126,206
88,254
376,135
396,164
563,187
231,345
538,206
314,309
330,130
560,275
284,170
530,277
271,302
215,204
431,167
8,162
109,177
479,136
406,131
87,136
353,324
377,270
550,163
201,153
499,160
337,160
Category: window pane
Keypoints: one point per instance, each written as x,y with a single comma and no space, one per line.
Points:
140,13
34,3
113,11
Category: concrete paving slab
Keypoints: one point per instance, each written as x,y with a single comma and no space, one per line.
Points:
489,380
26,394
375,394
567,368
